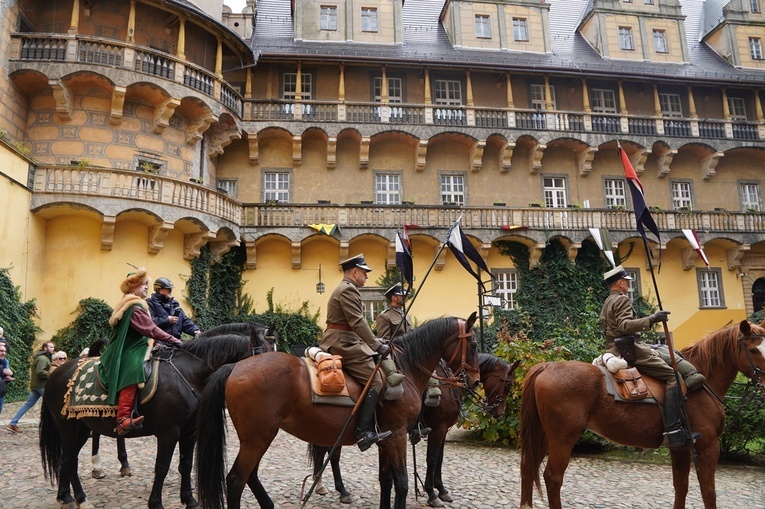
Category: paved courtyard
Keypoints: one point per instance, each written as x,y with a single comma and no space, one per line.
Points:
478,476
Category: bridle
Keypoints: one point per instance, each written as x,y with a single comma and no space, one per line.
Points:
460,378
757,374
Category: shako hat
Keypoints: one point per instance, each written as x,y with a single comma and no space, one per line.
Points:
134,279
396,289
615,274
355,261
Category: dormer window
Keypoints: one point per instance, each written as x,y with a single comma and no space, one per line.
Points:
625,38
482,27
520,32
755,48
660,41
328,17
754,6
368,19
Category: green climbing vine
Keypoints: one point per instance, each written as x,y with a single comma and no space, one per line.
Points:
90,324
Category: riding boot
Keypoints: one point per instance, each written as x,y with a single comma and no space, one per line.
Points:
365,435
677,435
125,421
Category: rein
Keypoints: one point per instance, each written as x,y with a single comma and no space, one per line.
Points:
460,379
756,376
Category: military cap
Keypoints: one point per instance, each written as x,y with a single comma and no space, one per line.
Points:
355,261
396,289
615,274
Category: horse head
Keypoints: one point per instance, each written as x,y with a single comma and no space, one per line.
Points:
263,338
751,352
497,379
461,352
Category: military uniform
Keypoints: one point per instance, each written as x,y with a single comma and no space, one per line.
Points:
388,322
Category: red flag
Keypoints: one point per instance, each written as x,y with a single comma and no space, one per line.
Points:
642,215
696,245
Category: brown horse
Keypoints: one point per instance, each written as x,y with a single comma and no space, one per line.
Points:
562,399
497,380
266,394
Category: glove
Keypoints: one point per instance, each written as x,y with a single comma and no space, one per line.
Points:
383,349
660,316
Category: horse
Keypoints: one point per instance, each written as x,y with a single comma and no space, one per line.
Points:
279,383
258,333
497,380
170,416
560,400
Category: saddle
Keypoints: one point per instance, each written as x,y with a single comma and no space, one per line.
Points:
628,385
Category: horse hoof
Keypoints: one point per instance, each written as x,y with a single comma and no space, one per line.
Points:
322,490
346,499
98,473
69,505
86,505
192,504
126,472
435,502
445,497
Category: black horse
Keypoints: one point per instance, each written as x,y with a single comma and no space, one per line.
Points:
170,416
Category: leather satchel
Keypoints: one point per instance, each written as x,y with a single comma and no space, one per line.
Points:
630,384
330,373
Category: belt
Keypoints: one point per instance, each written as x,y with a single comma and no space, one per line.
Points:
339,326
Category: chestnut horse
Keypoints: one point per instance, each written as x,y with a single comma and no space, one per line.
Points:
497,380
562,399
270,392
170,416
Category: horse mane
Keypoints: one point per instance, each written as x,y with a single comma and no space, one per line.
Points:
220,349
249,328
97,346
418,344
715,346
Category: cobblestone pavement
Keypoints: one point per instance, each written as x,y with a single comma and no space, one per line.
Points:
478,476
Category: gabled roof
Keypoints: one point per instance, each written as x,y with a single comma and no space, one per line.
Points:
426,43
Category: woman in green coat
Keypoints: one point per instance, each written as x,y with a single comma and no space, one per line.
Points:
121,368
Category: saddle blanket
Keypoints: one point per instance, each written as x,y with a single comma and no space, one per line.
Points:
317,396
86,396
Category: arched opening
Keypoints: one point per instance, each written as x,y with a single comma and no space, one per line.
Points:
758,294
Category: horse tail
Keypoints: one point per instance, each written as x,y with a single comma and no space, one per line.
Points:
533,438
51,448
211,440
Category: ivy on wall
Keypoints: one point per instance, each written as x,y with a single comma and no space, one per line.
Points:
91,323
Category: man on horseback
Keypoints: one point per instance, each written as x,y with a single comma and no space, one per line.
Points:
121,367
166,311
622,328
348,334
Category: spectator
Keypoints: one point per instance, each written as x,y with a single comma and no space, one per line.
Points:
57,360
3,340
39,375
166,312
6,376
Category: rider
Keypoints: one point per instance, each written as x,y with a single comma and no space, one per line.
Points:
166,311
121,367
348,334
619,321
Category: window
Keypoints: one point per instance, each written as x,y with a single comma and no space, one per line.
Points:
387,189
229,186
649,2
603,101
615,193
328,17
505,287
482,28
750,196
537,92
395,89
754,5
625,38
368,19
710,288
554,191
755,48
520,33
276,187
373,301
670,105
681,194
634,291
448,92
290,85
737,108
660,41
453,189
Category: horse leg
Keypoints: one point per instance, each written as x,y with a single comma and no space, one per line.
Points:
165,449
557,462
125,470
709,455
95,460
251,449
345,495
443,493
435,450
392,457
72,465
186,447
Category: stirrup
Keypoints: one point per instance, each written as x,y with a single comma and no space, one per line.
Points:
686,440
128,424
367,438
418,433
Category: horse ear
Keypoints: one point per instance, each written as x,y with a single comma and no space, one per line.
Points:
745,328
471,321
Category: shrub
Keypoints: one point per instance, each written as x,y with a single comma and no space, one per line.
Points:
91,323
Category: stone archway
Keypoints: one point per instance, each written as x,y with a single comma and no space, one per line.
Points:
758,294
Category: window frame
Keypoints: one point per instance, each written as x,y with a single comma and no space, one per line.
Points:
373,301
755,48
328,19
754,6
671,105
482,26
608,194
452,97
745,196
556,192
599,98
537,90
266,192
505,286
520,29
626,41
457,196
660,44
396,194
706,301
369,22
737,108
394,82
635,291
289,86
229,185
679,201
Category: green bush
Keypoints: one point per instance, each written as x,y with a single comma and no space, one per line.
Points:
744,434
91,323
16,320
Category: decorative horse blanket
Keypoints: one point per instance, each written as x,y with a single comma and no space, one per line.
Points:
86,395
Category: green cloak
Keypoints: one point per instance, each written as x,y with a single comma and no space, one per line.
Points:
122,361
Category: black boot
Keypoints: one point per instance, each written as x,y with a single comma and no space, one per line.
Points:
677,436
364,433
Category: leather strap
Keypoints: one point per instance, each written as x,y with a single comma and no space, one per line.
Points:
339,326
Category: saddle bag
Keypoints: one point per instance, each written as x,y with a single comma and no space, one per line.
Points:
630,384
330,373
626,347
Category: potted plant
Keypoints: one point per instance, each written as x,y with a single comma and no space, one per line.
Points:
148,167
197,180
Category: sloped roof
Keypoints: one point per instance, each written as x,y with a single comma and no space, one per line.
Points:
426,43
